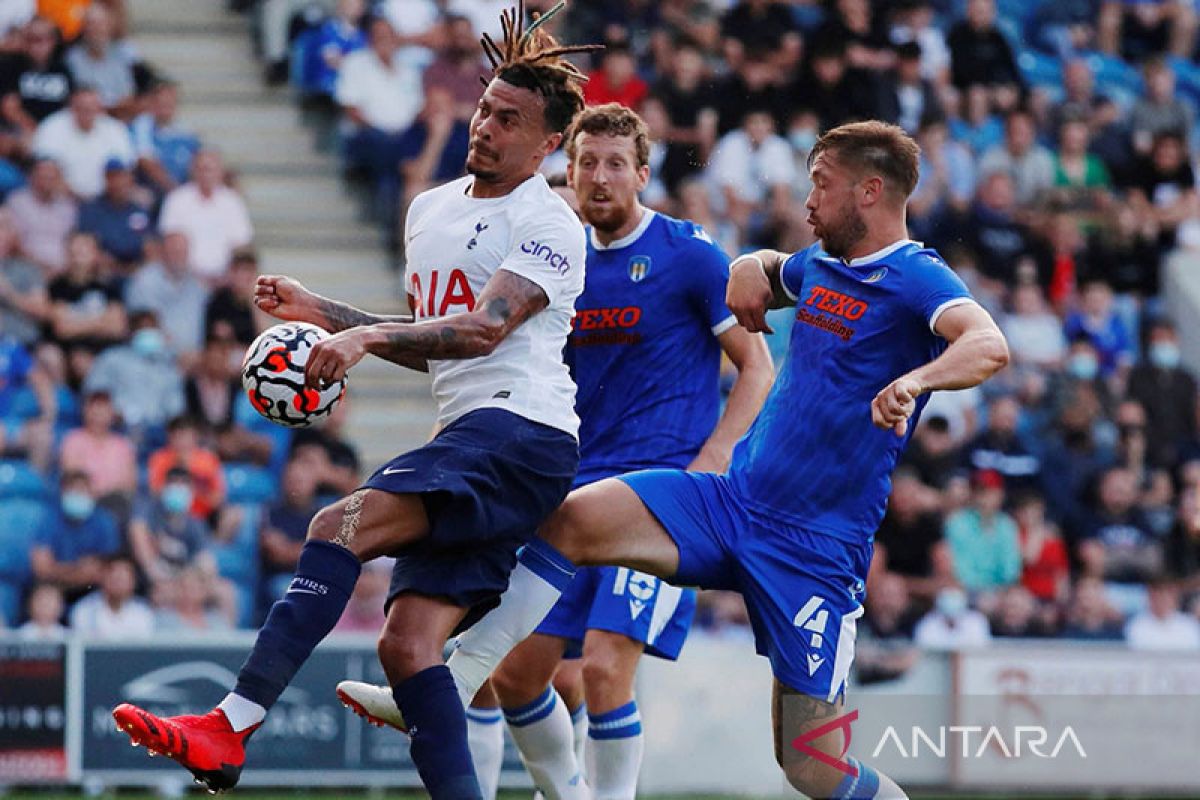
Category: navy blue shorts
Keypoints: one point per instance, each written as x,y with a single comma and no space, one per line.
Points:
487,481
803,589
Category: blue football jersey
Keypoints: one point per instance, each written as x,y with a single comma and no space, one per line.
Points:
643,348
813,458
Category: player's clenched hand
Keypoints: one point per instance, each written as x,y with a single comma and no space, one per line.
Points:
330,359
749,295
285,298
893,406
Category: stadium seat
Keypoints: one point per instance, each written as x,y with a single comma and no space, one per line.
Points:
19,480
20,519
1039,69
237,561
1113,73
249,484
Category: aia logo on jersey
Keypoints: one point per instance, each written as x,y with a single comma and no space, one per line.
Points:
639,268
455,293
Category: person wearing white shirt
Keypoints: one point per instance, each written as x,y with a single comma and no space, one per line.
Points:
82,139
212,216
45,612
1163,626
952,625
112,611
752,171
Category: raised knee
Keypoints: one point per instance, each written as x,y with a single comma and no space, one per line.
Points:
517,687
563,529
406,655
325,524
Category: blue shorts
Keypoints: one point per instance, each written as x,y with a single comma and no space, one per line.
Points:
803,589
487,481
622,600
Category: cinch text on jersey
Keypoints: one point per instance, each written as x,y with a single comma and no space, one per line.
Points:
543,251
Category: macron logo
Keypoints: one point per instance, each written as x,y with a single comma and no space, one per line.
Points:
546,253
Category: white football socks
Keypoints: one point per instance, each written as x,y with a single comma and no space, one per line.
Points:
543,733
485,737
240,712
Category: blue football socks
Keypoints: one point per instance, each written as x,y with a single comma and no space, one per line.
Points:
438,725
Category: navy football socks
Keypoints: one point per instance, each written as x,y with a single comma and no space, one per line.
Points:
325,577
438,725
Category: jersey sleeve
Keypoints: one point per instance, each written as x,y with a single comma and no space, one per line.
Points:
931,288
549,250
791,274
710,275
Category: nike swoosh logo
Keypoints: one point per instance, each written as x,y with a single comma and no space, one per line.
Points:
398,471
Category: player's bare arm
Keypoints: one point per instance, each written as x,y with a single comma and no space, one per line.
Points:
756,286
977,351
755,374
287,299
506,302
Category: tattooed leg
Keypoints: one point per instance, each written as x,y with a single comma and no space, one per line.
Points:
351,517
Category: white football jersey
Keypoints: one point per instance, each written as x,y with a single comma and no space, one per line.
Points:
455,243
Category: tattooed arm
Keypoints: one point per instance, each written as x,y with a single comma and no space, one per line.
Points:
506,301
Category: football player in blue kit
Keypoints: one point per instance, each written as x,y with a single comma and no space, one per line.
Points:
645,352
880,322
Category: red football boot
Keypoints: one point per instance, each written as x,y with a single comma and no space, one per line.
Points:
205,745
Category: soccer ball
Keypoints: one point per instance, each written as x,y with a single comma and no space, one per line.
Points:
273,376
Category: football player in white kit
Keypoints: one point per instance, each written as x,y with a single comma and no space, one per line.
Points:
495,263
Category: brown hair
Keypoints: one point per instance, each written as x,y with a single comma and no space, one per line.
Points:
875,147
612,119
530,58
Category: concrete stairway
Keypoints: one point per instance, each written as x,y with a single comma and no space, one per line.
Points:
306,224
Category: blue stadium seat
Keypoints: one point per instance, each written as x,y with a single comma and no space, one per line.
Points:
1112,72
1039,69
1187,78
238,561
19,480
20,520
249,484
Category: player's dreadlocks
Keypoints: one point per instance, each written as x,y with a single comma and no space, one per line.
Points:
530,58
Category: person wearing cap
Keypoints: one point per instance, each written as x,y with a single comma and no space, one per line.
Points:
116,218
983,539
82,138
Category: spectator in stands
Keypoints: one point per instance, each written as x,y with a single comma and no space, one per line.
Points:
1000,447
212,216
45,613
1158,110
1163,626
27,432
69,549
884,647
1089,616
687,97
190,609
1030,165
616,80
116,218
1016,615
760,26
35,82
213,392
286,525
113,612
979,128
98,61
759,84
67,15
1097,319
233,303
165,148
982,539
826,86
1118,544
695,204
932,452
337,462
981,56
1080,100
381,97
142,379
1034,333
82,139
913,21
1065,27
909,543
904,97
104,454
24,304
364,612
995,233
171,289
945,184
1081,180
952,624
1045,566
752,170
165,537
44,214
183,450
1136,30
85,309
867,45
1168,392
1162,189
338,37
1183,543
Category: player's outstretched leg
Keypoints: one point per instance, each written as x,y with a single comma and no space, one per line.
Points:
485,737
538,719
799,713
340,537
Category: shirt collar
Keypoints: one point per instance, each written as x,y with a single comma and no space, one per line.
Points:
648,216
879,254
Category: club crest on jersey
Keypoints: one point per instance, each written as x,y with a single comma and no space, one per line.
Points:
639,268
479,228
876,276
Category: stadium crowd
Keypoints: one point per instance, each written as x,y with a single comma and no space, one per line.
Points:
1056,177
